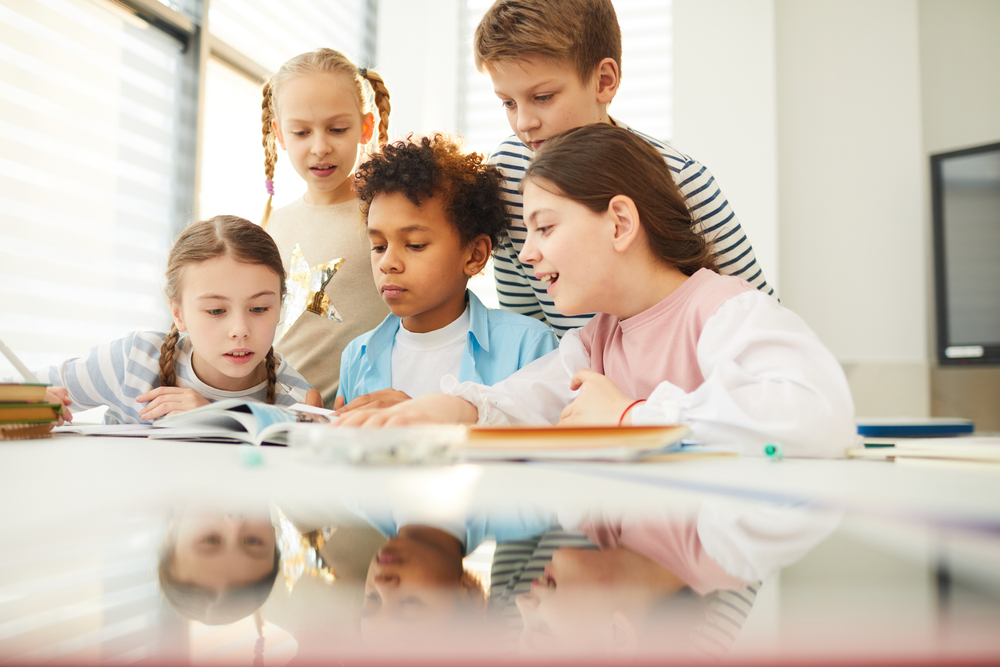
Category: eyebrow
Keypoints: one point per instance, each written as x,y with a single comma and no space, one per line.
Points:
339,116
219,297
412,228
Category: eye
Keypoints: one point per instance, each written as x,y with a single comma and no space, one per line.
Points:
260,310
544,231
301,133
339,130
508,104
414,601
378,249
416,246
212,539
215,312
543,98
252,541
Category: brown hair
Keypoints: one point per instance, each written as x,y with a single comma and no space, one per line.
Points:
218,237
438,165
312,62
579,32
594,163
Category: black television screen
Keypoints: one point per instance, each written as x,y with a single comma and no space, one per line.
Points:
965,195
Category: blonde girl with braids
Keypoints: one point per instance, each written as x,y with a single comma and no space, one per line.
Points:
315,108
225,284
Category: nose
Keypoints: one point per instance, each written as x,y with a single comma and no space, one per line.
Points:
529,251
526,120
320,144
239,327
391,261
386,579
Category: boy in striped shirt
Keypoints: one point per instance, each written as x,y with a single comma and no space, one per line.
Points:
556,65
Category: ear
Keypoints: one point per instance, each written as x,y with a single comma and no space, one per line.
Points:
175,311
277,133
479,253
606,79
367,128
625,217
624,639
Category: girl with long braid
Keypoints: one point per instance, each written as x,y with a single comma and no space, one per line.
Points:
225,284
315,109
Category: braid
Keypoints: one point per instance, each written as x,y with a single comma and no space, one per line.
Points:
270,150
168,378
381,103
271,365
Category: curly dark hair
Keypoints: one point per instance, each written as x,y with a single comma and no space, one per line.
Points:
424,167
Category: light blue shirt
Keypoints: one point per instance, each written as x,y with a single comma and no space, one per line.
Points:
499,343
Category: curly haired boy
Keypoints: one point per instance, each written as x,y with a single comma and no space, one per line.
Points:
434,213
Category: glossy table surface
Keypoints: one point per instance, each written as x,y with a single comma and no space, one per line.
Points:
128,549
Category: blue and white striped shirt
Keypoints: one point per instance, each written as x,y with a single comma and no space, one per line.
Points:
517,288
115,373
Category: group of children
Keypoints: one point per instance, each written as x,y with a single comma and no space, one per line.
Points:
582,214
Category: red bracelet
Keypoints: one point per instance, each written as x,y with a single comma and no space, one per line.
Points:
631,405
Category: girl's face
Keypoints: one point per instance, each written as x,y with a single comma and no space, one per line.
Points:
570,248
222,551
230,310
570,607
321,127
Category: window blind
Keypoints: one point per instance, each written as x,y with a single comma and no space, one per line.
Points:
90,171
271,32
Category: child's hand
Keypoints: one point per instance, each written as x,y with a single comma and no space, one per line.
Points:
314,398
428,409
164,401
599,403
383,398
60,395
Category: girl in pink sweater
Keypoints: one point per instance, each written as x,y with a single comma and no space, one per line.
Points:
672,342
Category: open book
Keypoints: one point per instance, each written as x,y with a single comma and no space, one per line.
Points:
238,420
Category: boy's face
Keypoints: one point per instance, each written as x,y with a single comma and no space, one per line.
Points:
420,264
412,588
544,98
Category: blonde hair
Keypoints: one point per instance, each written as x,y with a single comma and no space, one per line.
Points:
579,32
218,237
313,62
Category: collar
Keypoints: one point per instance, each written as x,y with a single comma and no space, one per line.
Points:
479,323
384,334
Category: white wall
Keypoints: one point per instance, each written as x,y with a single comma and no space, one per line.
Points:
809,114
724,109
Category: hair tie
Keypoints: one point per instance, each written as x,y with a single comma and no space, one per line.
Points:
269,186
363,71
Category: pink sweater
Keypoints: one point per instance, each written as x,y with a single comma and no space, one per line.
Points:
659,344
673,545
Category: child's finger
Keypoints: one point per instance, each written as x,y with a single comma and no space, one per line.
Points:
339,402
314,398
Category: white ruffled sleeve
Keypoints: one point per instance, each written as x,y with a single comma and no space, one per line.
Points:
768,378
536,394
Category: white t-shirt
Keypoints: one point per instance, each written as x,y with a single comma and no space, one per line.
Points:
420,360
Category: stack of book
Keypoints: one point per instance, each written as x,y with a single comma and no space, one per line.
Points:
23,412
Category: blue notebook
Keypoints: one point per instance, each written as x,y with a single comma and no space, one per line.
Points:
904,427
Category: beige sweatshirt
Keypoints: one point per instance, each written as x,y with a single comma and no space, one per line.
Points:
313,344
